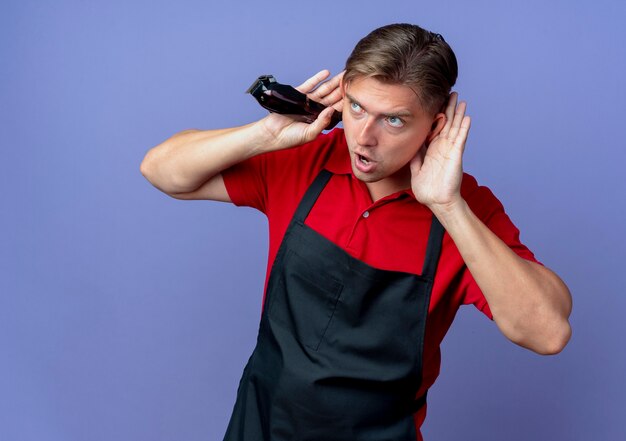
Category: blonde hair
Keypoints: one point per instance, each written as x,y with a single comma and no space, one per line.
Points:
408,55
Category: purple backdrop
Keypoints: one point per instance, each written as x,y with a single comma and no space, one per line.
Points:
128,315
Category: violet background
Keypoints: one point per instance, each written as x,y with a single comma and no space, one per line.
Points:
128,315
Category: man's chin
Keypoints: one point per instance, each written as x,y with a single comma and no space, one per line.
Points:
365,177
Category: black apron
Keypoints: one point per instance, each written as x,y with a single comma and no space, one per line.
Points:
339,351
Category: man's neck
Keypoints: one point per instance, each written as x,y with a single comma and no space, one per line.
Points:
390,185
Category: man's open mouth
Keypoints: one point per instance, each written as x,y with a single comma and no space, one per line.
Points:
364,160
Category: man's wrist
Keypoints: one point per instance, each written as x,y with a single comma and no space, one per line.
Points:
453,214
261,138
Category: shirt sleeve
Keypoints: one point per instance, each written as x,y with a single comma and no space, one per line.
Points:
278,175
491,212
246,184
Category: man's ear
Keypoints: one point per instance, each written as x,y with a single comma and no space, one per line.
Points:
436,127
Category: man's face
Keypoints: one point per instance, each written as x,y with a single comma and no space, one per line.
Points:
385,127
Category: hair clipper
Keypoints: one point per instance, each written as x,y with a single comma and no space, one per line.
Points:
286,100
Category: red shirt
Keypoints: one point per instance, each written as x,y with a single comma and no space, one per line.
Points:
389,234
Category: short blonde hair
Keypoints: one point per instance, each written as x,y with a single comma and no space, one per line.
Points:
408,55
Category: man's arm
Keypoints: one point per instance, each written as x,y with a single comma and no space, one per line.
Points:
530,304
189,164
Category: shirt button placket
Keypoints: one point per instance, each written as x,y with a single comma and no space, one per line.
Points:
366,214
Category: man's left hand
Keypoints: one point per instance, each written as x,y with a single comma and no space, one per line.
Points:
437,169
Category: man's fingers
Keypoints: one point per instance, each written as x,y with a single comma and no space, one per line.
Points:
331,85
463,131
316,127
450,112
328,92
459,116
312,82
333,98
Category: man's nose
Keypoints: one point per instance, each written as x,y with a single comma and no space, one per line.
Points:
366,136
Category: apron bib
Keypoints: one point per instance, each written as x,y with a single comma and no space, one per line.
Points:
339,350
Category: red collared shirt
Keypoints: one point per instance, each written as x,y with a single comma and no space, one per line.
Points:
389,234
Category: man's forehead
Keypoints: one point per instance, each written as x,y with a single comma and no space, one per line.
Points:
376,96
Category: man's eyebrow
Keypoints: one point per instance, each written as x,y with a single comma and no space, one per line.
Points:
352,99
401,113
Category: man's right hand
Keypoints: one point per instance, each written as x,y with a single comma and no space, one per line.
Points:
285,131
188,165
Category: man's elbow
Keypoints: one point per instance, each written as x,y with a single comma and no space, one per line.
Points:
557,330
555,342
548,336
144,168
151,169
149,165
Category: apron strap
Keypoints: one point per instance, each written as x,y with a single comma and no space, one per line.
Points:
311,196
419,403
435,238
433,249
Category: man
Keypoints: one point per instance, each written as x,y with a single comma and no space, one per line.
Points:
376,238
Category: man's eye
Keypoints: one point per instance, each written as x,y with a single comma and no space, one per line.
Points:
394,121
355,107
